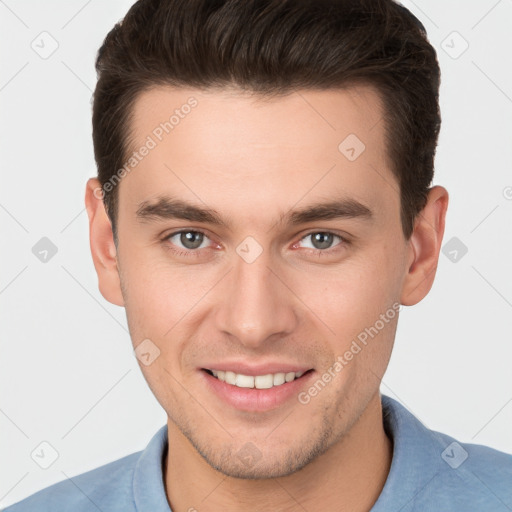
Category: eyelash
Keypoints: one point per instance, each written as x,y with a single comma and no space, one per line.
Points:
195,252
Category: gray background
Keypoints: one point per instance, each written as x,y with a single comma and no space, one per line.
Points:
68,376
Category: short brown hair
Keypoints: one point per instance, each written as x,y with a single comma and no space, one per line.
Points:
271,47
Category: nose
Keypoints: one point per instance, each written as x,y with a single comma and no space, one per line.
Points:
257,303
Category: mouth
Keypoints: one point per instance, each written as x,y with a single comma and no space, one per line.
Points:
267,381
255,387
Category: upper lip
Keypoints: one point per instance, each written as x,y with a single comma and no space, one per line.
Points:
259,369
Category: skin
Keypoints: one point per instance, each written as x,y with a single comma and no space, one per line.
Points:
253,160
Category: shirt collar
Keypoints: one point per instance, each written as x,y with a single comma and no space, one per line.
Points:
416,457
416,461
148,478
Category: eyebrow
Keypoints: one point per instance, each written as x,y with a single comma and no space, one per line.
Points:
166,208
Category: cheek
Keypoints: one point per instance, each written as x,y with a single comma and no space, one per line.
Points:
150,294
162,298
350,301
352,294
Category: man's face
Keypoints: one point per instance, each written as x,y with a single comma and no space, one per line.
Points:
260,288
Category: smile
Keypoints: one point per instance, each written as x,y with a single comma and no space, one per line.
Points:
259,381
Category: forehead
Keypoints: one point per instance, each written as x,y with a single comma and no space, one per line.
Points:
236,151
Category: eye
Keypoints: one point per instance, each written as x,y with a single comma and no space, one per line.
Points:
322,241
189,240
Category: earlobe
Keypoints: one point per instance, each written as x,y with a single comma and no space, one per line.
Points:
103,249
424,247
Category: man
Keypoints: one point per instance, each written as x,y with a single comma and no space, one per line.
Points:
262,210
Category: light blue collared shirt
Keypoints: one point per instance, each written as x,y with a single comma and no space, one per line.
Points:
430,472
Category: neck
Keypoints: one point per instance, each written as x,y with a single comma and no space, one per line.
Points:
349,476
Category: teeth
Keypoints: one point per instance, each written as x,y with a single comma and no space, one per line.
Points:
244,381
259,382
264,381
279,378
230,377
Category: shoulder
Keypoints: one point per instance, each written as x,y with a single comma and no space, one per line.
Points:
108,487
131,483
480,472
431,470
471,477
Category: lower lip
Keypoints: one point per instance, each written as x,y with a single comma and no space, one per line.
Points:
252,399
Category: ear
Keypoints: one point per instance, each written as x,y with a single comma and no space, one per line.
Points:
103,249
424,247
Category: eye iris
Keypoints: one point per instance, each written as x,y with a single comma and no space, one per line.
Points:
194,239
188,237
324,240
